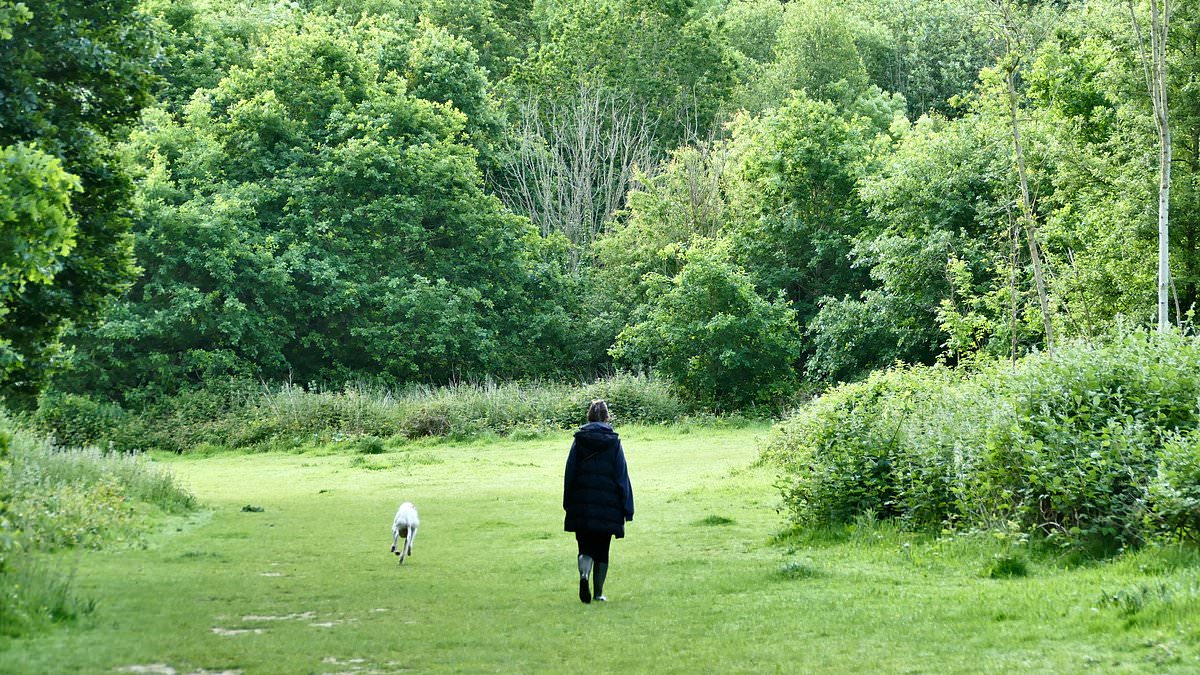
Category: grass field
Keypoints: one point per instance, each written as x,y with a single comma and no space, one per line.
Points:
702,583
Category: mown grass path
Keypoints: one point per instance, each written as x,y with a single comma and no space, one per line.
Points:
308,584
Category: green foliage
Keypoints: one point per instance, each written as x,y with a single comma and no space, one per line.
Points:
77,421
793,198
445,69
497,31
72,73
950,254
714,336
751,28
667,55
35,214
681,204
202,40
310,217
815,50
53,498
314,187
849,337
848,452
1174,490
928,51
242,415
1077,449
37,228
940,197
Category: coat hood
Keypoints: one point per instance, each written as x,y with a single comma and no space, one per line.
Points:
596,431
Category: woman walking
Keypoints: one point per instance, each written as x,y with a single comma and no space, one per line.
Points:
597,497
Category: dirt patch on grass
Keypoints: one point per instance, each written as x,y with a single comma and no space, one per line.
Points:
289,617
228,632
164,669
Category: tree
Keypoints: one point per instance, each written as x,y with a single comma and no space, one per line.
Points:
442,68
937,197
679,206
816,51
928,51
1014,45
574,160
793,193
714,336
37,228
309,217
72,75
1156,84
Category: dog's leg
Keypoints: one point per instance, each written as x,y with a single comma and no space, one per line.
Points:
395,538
408,541
404,547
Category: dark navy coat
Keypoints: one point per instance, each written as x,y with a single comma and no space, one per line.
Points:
597,495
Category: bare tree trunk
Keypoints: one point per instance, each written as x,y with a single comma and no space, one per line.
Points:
1028,218
575,161
1155,67
1159,25
1087,312
1012,285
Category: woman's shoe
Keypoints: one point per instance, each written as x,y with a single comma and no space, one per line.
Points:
585,571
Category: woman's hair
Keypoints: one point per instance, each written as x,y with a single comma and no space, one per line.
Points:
598,411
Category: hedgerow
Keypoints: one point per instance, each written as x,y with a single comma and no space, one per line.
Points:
238,415
1094,448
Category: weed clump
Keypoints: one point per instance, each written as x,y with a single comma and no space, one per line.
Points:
1007,566
368,445
796,570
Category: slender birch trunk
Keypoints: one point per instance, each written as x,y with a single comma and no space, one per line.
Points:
1155,67
1159,24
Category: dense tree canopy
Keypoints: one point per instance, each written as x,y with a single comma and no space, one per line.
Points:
426,190
310,217
72,75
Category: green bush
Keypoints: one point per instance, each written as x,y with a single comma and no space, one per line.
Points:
1083,436
65,498
714,336
863,448
1093,449
76,421
1175,487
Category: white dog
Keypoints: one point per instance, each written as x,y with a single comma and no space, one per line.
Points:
405,524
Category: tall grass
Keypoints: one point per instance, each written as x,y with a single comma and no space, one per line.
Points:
464,409
53,498
287,416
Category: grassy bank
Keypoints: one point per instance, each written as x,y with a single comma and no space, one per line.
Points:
699,585
57,499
